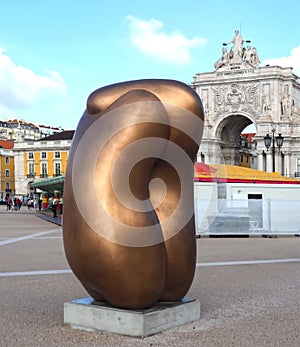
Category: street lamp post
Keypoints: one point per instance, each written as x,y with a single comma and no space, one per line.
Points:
270,140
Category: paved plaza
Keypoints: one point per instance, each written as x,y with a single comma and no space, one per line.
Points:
249,289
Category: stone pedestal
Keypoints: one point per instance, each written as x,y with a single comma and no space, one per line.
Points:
86,314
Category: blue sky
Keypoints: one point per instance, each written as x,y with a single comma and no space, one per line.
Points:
53,54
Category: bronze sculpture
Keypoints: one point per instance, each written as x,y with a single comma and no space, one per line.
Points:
128,227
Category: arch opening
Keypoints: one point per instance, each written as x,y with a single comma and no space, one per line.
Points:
235,135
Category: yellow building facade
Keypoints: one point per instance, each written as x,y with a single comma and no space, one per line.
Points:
7,173
41,160
44,163
7,169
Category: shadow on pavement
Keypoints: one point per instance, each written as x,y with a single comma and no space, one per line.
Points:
49,218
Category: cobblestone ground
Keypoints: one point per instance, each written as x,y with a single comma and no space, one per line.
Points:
249,291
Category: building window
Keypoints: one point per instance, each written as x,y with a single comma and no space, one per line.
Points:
30,155
6,173
44,170
57,169
30,170
57,155
6,160
7,186
44,155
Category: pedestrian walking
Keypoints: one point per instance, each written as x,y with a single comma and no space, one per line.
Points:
54,207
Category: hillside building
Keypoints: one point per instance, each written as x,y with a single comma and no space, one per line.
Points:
16,129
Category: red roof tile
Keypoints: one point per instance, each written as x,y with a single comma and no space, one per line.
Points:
6,144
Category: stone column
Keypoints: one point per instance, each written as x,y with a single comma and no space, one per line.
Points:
287,156
269,162
279,163
207,157
260,164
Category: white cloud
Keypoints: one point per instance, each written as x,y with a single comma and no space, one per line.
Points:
21,88
293,60
149,38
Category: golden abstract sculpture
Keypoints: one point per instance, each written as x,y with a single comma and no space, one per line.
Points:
128,226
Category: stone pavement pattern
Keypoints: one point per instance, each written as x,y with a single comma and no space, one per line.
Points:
241,304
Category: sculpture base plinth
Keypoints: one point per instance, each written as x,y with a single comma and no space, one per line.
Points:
86,314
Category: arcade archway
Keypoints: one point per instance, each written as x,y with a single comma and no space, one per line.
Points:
228,136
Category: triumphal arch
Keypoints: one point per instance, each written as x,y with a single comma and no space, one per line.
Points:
240,92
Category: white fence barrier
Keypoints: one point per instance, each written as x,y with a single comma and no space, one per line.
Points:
246,217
